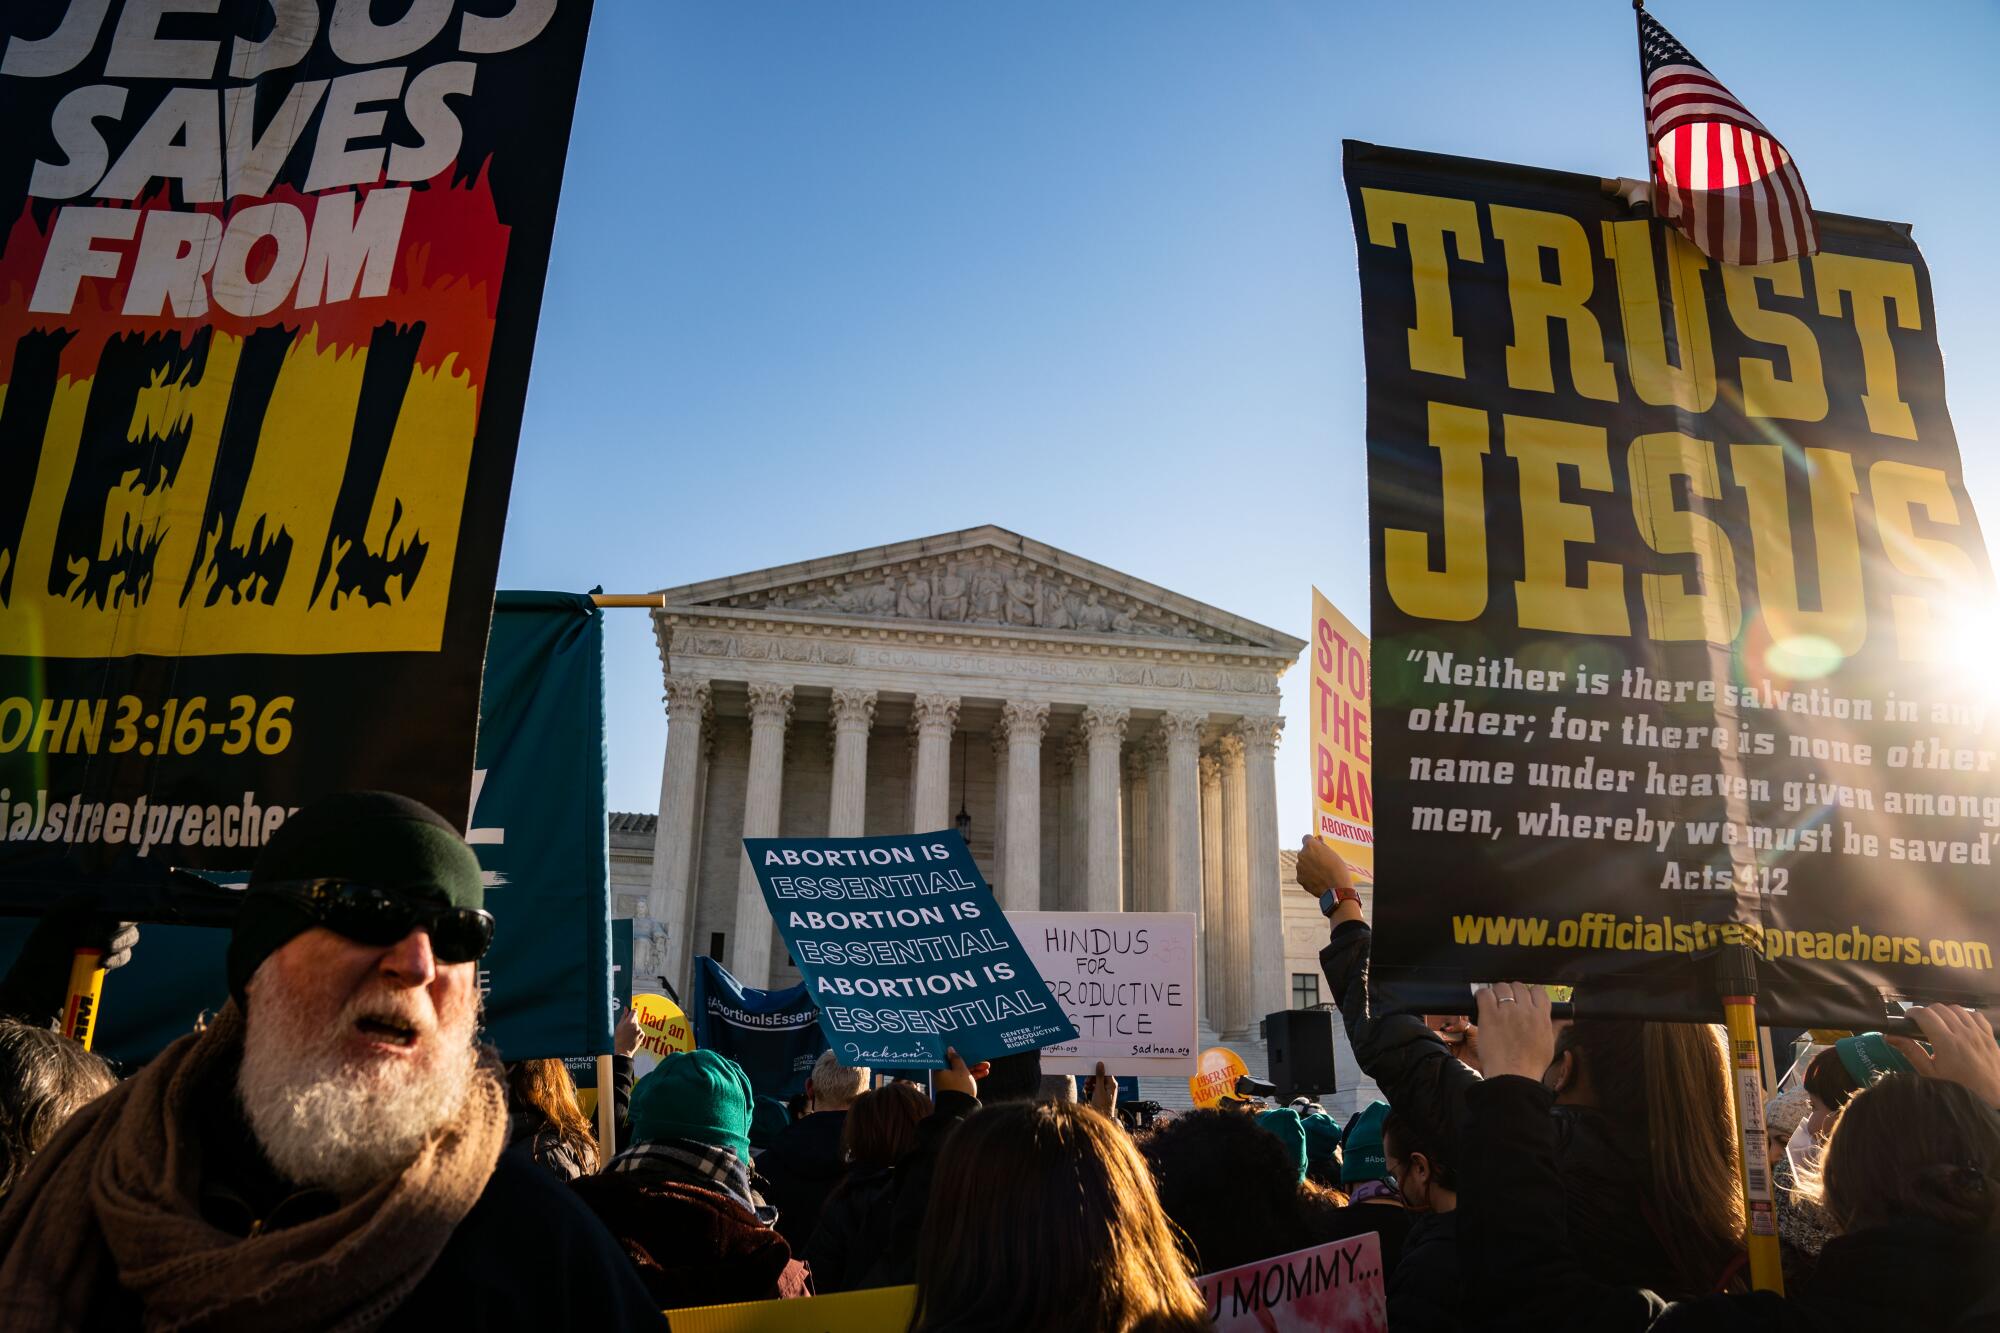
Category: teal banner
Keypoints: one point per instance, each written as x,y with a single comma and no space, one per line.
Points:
538,825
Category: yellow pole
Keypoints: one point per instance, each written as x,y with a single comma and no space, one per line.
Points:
607,1113
86,987
607,1105
1740,1013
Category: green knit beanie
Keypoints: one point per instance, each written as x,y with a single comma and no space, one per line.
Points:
1868,1056
1322,1133
696,1095
370,837
1363,1157
1284,1125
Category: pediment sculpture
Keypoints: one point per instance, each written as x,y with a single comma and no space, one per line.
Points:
982,591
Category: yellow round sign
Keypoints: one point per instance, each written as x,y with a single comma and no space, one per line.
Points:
1215,1075
663,1027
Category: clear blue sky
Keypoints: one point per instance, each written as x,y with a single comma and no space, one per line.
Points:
833,275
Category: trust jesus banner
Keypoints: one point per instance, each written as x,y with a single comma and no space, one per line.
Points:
1677,597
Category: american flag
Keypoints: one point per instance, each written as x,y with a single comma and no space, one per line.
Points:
1718,174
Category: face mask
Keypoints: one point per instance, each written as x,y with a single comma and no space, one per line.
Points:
1803,1150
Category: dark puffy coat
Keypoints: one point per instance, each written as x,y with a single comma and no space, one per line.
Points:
535,1136
894,1249
1389,1221
1521,1273
1604,1168
1424,1285
692,1246
851,1224
801,1169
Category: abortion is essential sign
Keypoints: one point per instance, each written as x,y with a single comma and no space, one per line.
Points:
904,950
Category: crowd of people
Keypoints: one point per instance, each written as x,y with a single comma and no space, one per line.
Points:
335,1149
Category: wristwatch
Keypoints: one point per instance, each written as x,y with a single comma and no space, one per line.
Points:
1329,901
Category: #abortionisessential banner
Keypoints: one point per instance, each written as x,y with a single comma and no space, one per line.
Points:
904,950
1673,564
268,291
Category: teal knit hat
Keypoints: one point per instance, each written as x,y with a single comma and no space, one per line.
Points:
695,1095
1362,1144
1283,1124
1867,1056
370,837
1322,1133
768,1119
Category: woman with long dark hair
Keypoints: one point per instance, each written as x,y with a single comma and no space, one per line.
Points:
1043,1219
1645,1143
548,1124
881,1126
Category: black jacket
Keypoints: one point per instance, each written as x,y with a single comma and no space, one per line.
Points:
895,1248
1424,1284
801,1169
1602,1158
529,1256
851,1222
1521,1273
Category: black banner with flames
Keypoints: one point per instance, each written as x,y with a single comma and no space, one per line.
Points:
268,291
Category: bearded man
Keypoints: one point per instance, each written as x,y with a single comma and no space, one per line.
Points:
328,1153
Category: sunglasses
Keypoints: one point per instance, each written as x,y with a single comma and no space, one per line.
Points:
379,918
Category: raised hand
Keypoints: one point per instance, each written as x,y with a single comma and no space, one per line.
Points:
1962,1049
1516,1033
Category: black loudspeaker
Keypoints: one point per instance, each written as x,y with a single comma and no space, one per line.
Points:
1300,1042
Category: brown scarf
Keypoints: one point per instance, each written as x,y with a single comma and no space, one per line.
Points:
113,1202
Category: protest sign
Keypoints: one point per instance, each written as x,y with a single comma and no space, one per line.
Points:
1338,1287
849,1312
904,949
1668,560
1125,981
539,833
774,1034
663,1027
1215,1075
268,295
1342,756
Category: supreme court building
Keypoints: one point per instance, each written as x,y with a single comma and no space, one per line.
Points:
1110,742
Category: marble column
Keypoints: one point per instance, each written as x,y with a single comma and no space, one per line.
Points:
1158,798
1269,985
670,899
1183,733
1231,1016
932,719
851,717
1104,733
1214,956
1139,831
997,739
770,711
1021,863
1076,821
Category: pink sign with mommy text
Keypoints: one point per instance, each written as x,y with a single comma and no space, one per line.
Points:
1338,1287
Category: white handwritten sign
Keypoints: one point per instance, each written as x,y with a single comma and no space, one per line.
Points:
1126,980
1334,1288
